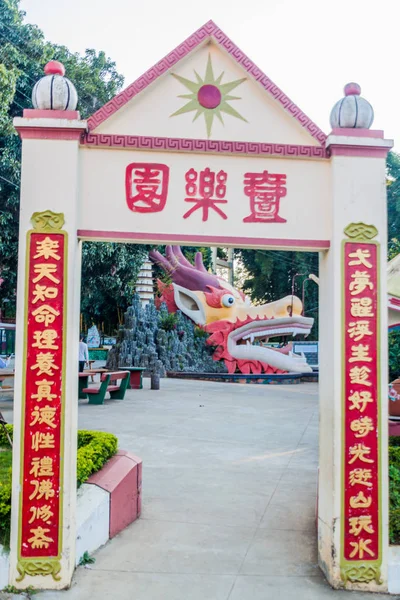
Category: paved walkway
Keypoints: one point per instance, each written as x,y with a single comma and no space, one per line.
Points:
229,492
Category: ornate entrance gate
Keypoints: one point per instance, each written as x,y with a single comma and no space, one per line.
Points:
203,148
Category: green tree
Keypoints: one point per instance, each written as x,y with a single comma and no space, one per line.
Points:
109,272
270,274
393,203
23,54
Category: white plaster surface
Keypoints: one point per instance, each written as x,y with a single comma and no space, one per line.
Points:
394,570
4,568
149,113
103,203
93,519
49,181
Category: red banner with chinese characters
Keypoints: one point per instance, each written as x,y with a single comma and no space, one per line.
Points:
43,397
361,522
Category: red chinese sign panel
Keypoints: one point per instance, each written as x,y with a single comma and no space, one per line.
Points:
42,476
361,523
146,186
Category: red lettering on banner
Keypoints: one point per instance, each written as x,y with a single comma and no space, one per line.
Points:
146,186
206,190
43,392
361,450
265,191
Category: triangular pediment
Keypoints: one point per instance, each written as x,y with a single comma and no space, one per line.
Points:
207,89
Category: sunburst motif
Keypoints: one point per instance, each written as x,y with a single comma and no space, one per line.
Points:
209,97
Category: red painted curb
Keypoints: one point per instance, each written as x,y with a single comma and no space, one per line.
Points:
121,476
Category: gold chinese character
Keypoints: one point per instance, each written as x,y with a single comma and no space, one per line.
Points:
42,489
41,467
358,330
359,524
362,426
47,248
45,363
39,538
360,501
44,339
360,547
361,307
360,451
41,512
360,283
360,354
360,375
44,416
361,258
42,440
45,314
45,270
41,292
360,400
360,476
44,391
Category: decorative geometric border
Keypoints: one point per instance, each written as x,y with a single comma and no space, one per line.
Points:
209,30
199,145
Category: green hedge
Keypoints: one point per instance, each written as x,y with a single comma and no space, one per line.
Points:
95,448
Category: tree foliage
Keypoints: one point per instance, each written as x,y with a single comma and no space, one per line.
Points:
270,277
108,270
393,203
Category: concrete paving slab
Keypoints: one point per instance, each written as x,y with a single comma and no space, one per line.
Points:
171,547
277,552
114,585
229,492
292,588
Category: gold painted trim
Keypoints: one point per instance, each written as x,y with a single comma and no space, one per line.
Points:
43,567
44,222
361,232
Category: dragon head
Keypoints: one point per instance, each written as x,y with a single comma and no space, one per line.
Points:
233,322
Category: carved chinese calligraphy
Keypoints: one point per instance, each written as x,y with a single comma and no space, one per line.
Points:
361,552
265,191
146,186
39,535
206,190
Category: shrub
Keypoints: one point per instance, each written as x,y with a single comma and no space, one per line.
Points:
168,323
394,354
95,448
394,490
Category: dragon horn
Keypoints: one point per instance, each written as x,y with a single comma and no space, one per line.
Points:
198,260
181,258
172,259
160,260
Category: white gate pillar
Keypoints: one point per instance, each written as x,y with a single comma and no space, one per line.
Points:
353,480
45,400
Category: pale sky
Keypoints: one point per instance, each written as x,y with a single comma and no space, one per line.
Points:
309,48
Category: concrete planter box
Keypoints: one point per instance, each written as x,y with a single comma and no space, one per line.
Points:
106,504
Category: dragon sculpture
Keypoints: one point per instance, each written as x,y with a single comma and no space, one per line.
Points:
228,315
